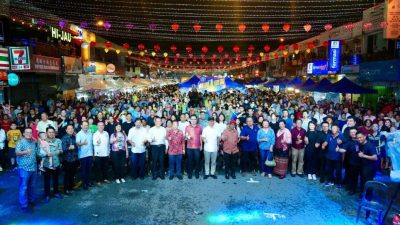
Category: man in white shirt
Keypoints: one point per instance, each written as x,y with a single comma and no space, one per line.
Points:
137,137
305,120
101,145
210,138
44,123
183,123
157,138
319,116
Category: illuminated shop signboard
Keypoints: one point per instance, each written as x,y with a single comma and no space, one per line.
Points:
60,34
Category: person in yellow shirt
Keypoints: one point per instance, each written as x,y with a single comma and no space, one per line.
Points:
13,137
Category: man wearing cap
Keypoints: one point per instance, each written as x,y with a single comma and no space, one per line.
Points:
230,149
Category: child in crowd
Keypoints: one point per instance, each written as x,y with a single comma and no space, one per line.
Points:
44,149
13,137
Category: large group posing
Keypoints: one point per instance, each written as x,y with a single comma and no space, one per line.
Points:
162,133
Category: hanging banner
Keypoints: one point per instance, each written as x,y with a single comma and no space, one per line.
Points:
212,84
317,68
392,18
334,56
44,64
4,60
19,58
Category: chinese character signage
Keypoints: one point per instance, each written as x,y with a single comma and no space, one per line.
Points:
392,16
334,56
19,58
43,64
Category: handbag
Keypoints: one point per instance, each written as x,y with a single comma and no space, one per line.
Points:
270,163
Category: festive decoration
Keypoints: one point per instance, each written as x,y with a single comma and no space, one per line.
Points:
219,27
220,49
107,25
106,50
100,23
286,27
281,47
175,27
153,54
383,24
130,26
267,48
251,48
296,46
325,44
281,39
177,55
141,47
204,49
156,47
196,27
226,55
308,50
173,48
165,54
242,27
85,45
93,44
83,25
141,53
261,54
328,27
117,51
349,26
130,52
311,45
367,26
296,51
152,26
236,48
265,27
126,46
188,48
108,44
307,27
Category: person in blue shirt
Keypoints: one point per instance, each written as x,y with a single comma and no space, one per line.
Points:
333,156
266,141
84,141
287,119
248,137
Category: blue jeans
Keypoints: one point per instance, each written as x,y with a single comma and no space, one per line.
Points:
264,154
193,155
86,167
175,160
137,164
26,191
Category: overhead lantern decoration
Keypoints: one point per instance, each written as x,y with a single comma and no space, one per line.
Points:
349,26
83,24
204,49
296,51
214,56
177,55
117,51
328,27
78,42
281,47
106,50
153,54
261,54
93,44
220,49
188,48
226,55
281,39
152,26
219,27
295,46
311,45
285,52
107,25
367,26
141,53
242,27
130,26
383,24
165,54
307,27
251,48
190,55
286,27
62,23
325,44
126,46
85,45
156,47
236,48
129,52
108,44
308,51
175,27
196,27
267,48
265,27
141,47
173,48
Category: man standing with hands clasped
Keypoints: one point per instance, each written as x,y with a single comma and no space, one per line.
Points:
230,148
210,137
248,135
101,152
157,137
84,141
70,158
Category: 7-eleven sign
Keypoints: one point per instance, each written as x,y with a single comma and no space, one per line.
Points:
19,58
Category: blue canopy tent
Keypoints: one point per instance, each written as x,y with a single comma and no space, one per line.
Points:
230,84
256,82
295,82
309,82
187,85
280,83
347,86
322,86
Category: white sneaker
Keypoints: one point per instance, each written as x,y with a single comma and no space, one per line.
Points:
269,176
117,180
263,174
122,180
1,169
314,177
309,176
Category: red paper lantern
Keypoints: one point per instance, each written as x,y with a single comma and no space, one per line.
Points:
265,27
296,47
349,26
175,27
343,42
188,48
383,24
126,46
311,45
177,55
78,42
286,27
176,59
204,49
156,47
242,27
328,27
251,48
367,26
236,48
196,27
226,55
219,27
190,55
93,44
220,49
307,27
141,47
325,44
267,48
214,56
108,44
281,47
173,48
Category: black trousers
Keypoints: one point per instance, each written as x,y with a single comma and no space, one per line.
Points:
248,160
101,165
193,161
334,171
322,165
230,161
354,174
311,158
157,167
118,161
367,174
69,174
53,175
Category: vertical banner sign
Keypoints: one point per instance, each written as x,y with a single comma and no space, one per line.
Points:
19,58
4,61
334,56
392,16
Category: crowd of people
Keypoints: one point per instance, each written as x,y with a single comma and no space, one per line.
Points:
162,133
